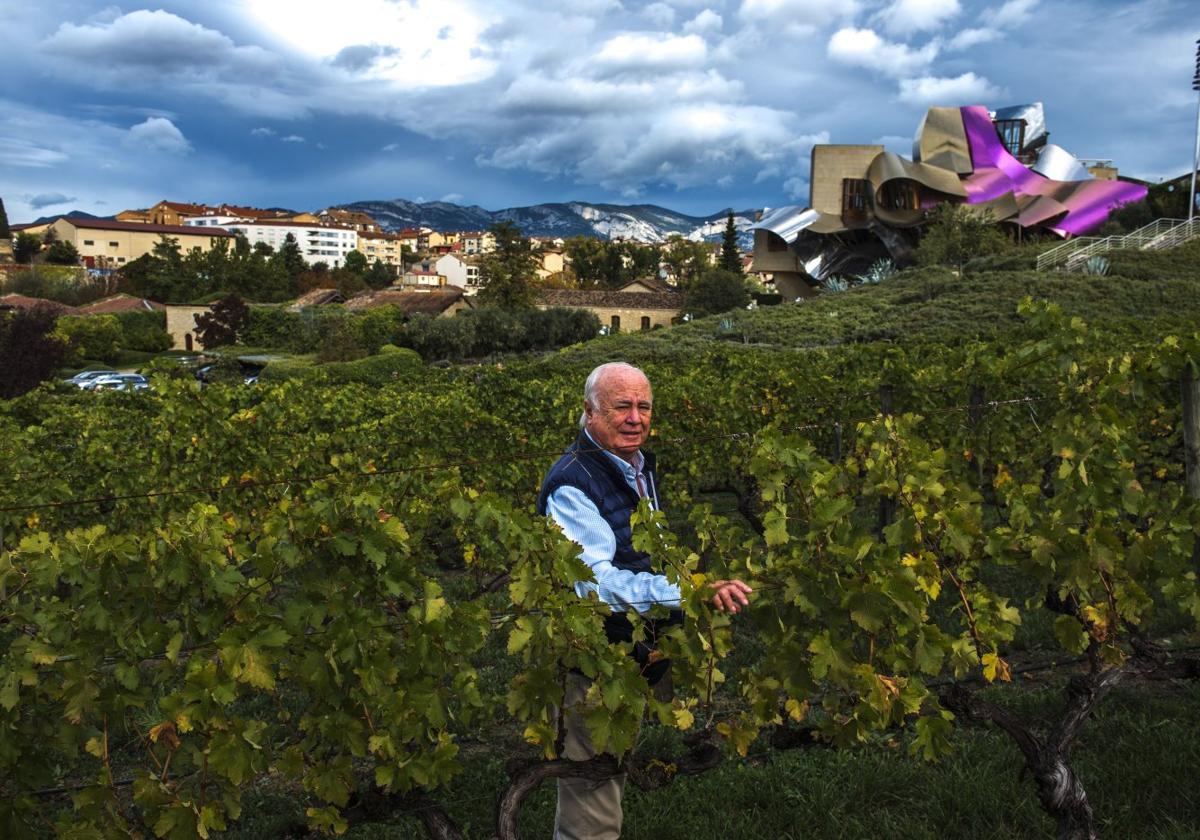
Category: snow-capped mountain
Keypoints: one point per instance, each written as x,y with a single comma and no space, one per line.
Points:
642,222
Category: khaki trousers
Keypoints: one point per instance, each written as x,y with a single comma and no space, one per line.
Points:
587,810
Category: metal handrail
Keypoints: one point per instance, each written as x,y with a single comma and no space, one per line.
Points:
1160,233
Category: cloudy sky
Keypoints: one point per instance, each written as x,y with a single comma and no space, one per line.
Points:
697,105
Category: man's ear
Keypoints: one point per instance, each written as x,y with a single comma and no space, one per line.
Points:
587,409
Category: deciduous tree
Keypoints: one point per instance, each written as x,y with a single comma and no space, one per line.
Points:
955,235
26,247
223,323
62,253
507,273
716,290
29,350
684,259
356,262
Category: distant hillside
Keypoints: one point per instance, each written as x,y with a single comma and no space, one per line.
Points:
644,222
72,214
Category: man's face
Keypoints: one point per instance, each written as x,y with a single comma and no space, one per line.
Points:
620,418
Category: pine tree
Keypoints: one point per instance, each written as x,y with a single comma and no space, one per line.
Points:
5,232
731,257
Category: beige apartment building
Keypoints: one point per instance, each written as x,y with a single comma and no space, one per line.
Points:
387,247
108,244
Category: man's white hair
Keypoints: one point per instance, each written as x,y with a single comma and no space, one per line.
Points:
592,384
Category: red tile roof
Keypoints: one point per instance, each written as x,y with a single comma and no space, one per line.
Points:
318,297
654,284
184,207
15,301
120,303
431,303
585,298
142,227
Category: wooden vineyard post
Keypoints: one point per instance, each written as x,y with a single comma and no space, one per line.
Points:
975,417
886,505
1190,386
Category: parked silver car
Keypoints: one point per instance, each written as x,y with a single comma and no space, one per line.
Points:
120,382
87,377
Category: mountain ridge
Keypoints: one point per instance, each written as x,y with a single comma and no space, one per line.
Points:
643,222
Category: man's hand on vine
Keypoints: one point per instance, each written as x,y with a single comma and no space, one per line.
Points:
730,595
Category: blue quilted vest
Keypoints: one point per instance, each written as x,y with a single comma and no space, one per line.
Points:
588,468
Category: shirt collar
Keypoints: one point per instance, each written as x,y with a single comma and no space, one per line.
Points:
629,470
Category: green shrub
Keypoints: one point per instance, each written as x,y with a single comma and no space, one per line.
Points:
90,337
145,331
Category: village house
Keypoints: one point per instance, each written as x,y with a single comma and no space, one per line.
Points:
444,302
460,270
476,242
552,261
422,275
102,243
360,222
640,305
411,238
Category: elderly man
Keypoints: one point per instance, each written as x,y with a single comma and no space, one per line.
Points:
590,492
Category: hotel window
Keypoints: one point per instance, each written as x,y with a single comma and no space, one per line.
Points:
114,244
1012,135
89,242
856,197
900,194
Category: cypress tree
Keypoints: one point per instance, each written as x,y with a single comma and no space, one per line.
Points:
5,233
731,258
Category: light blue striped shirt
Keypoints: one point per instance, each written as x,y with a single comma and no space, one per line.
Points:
582,523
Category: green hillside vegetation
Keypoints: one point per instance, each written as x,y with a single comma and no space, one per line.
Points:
1144,292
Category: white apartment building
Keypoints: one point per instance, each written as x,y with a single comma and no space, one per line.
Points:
212,221
318,243
459,271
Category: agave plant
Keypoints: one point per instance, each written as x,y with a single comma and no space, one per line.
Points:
1096,265
835,283
880,270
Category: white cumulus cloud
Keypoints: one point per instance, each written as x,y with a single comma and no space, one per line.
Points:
904,17
160,135
864,48
659,14
706,23
638,51
967,89
799,12
1012,13
968,38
